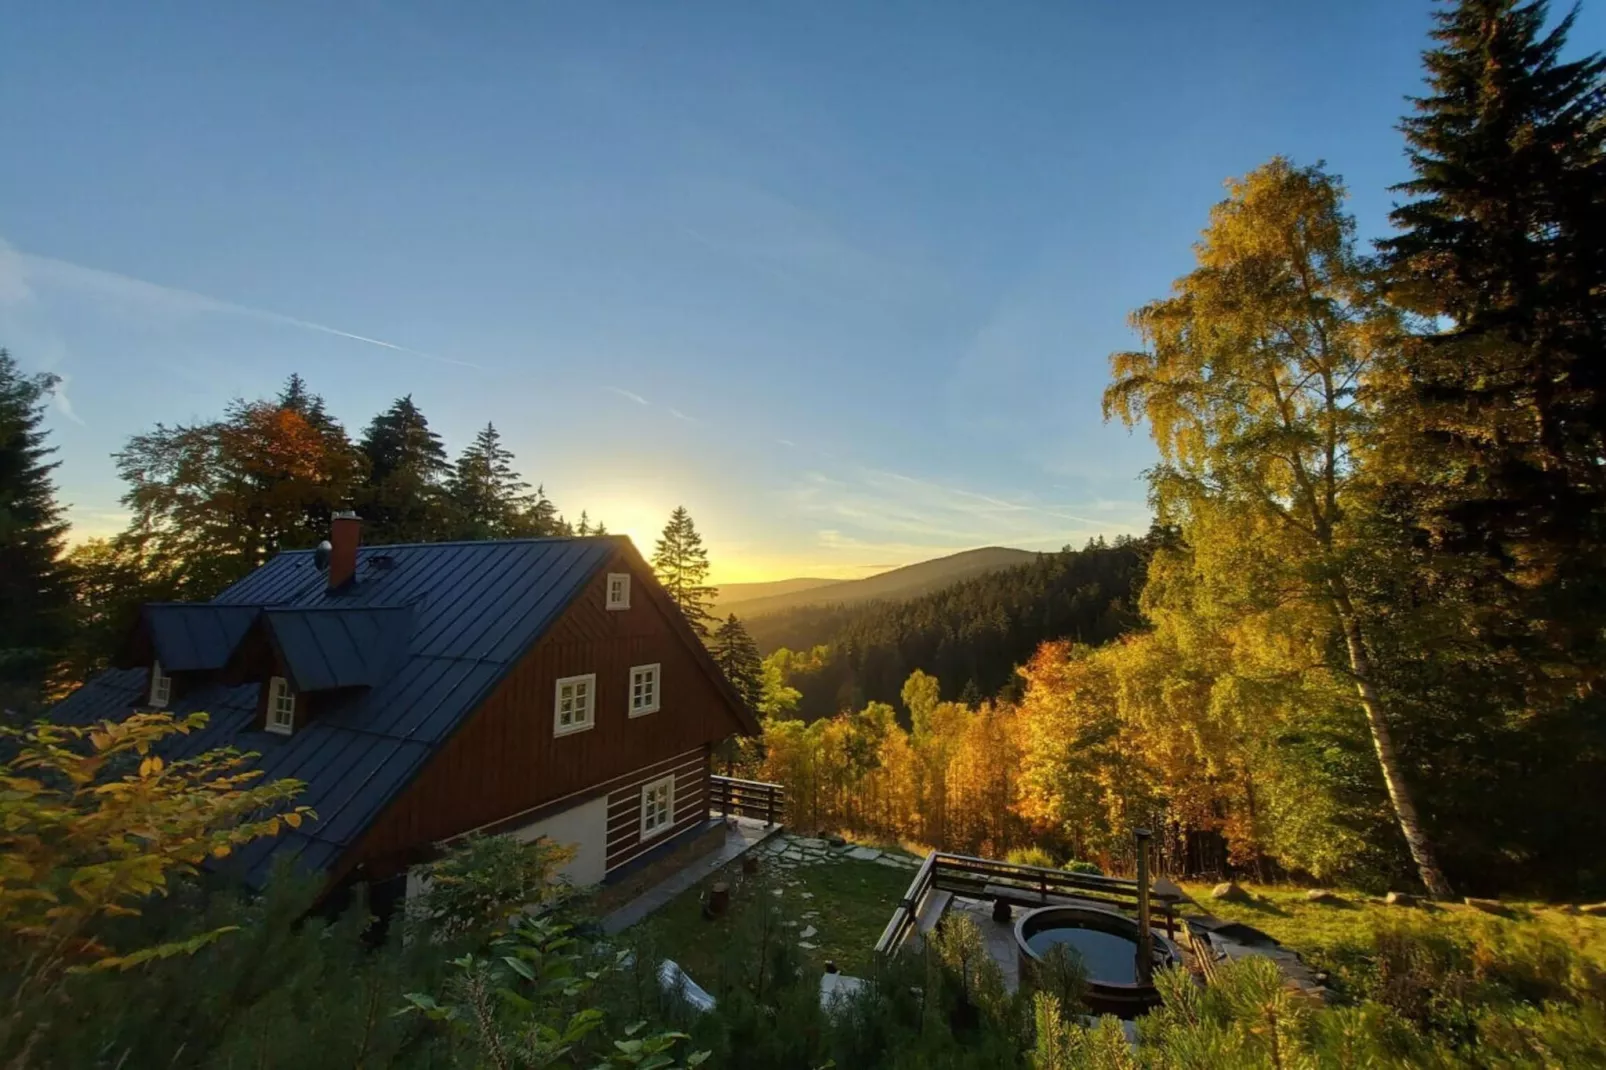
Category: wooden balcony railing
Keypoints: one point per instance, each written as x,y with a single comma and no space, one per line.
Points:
747,798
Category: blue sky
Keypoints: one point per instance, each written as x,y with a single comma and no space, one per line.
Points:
841,278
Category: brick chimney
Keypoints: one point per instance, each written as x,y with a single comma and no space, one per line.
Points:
345,535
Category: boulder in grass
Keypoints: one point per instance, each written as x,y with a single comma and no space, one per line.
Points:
1167,890
1488,906
1322,895
1229,891
1401,899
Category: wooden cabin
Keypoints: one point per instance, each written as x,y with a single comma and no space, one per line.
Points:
423,692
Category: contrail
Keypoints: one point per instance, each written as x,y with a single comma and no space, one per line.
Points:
627,395
128,288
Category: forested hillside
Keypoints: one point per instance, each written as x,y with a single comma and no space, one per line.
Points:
970,635
898,584
1371,652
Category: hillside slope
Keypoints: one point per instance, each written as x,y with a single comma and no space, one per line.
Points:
732,596
970,634
900,584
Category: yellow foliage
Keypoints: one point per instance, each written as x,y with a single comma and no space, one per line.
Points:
80,840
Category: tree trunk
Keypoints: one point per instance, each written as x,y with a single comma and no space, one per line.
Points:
1427,864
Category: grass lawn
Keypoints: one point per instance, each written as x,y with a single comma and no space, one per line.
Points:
851,901
1338,938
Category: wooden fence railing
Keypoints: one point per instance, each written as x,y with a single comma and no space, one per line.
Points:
908,913
747,798
982,878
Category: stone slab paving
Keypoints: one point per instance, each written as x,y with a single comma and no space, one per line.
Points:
782,850
998,936
741,835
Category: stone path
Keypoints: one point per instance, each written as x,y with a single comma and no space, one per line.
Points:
741,836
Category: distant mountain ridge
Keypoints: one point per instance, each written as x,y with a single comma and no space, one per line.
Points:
733,595
900,584
970,633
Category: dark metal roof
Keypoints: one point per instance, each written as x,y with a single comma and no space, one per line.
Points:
326,648
451,618
191,636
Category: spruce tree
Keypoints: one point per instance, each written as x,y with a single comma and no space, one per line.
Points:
1499,418
35,588
488,498
681,563
296,397
736,653
540,518
403,500
587,527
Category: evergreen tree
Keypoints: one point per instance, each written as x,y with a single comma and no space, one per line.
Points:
736,653
540,518
35,589
403,500
1499,419
489,500
681,563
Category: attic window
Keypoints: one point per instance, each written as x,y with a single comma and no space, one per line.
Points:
161,686
573,704
281,706
618,590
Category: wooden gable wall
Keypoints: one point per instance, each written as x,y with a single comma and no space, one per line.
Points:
505,762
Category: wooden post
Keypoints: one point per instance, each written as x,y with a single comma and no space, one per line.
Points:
719,899
769,806
1145,939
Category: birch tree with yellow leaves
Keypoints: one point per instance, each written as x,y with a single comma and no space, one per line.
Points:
1253,378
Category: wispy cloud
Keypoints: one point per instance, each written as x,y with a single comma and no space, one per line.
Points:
628,395
862,509
631,395
769,231
62,401
21,273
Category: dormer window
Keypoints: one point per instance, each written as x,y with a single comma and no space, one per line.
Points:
281,706
161,686
618,590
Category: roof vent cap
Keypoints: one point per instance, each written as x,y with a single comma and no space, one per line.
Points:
320,556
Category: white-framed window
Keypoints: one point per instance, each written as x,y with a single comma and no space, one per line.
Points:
643,690
618,590
657,806
161,686
281,706
574,704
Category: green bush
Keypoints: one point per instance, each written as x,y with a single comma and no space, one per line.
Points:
1031,856
1077,866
